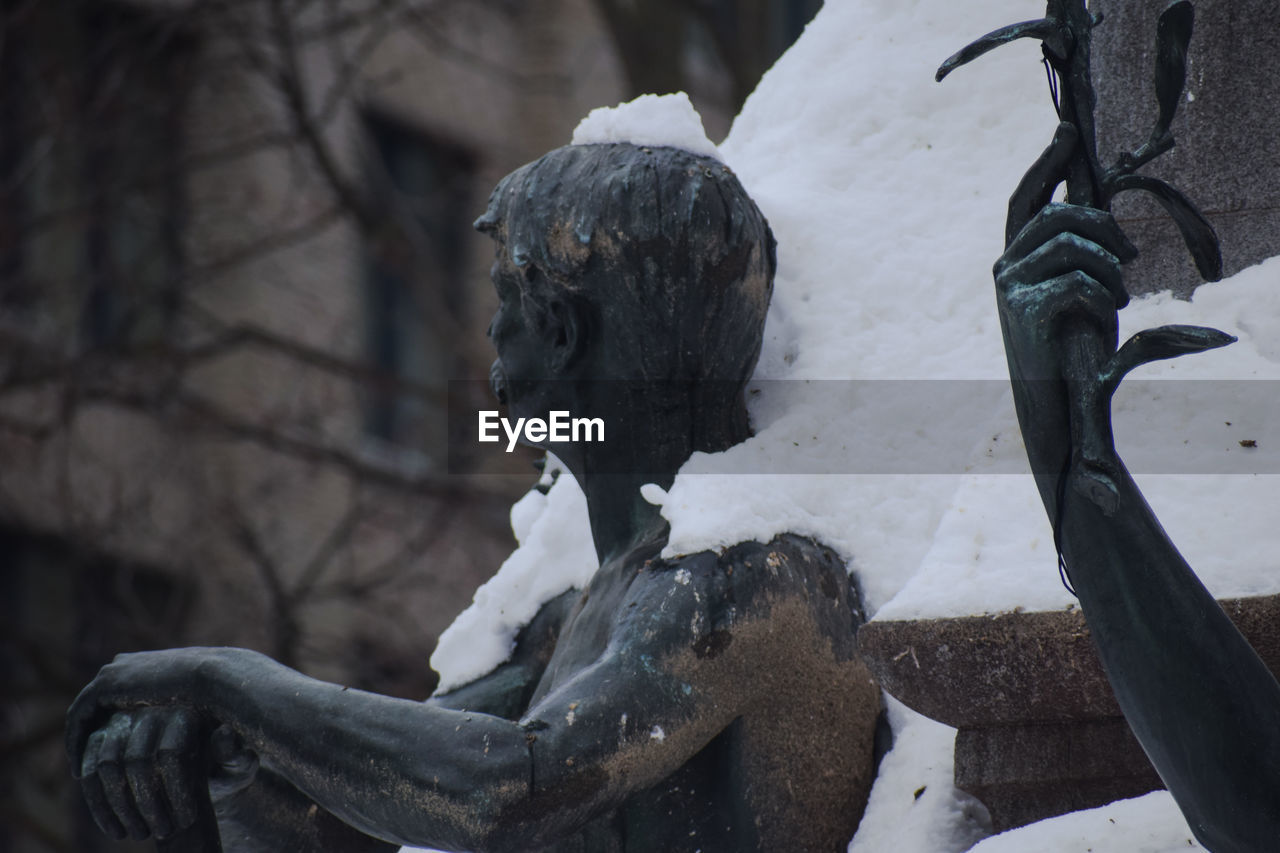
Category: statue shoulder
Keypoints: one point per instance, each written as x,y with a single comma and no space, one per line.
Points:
787,549
787,552
751,572
792,582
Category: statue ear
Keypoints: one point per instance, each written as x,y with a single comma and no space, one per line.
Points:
568,329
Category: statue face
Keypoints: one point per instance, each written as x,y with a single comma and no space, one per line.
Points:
524,376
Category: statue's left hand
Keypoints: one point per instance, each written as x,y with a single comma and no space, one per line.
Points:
138,737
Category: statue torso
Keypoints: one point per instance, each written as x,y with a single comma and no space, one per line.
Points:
791,770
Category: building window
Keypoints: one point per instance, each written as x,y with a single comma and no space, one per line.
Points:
91,112
414,282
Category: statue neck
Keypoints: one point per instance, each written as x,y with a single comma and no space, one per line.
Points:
623,522
647,445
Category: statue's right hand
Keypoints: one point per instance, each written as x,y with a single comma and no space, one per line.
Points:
1060,261
1064,262
144,772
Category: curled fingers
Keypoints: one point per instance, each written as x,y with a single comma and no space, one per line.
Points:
1073,294
182,771
92,788
110,770
1063,253
143,773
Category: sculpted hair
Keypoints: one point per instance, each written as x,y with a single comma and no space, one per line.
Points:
664,244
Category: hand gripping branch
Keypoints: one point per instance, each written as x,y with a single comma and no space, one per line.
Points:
1092,366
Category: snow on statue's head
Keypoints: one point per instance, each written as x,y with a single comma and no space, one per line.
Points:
671,255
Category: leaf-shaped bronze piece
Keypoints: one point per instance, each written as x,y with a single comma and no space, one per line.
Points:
1041,28
1173,34
1197,233
1161,343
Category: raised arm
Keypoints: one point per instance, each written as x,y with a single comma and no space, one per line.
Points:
420,774
1201,702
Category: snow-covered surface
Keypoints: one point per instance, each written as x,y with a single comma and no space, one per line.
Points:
555,553
886,192
993,549
914,807
659,120
1149,824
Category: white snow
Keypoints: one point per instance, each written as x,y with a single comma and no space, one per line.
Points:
1149,824
993,549
886,192
914,807
659,120
555,553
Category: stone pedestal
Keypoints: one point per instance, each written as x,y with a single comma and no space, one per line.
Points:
1039,730
1026,773
1227,157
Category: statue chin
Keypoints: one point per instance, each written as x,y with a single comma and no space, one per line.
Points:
498,383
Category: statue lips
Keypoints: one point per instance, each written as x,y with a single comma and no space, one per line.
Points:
498,382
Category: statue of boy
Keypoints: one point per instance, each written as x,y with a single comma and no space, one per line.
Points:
708,702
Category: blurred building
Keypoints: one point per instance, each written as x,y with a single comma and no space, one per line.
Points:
236,278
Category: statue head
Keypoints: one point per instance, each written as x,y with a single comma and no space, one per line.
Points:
650,265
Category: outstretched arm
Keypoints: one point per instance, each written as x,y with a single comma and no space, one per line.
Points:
1201,702
414,773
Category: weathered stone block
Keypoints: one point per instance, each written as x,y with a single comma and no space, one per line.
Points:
1040,733
1227,158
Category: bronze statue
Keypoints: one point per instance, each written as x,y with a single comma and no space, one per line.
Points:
1200,701
709,702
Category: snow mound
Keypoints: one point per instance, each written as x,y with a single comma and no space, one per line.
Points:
1148,824
659,120
555,554
887,193
1205,454
915,806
